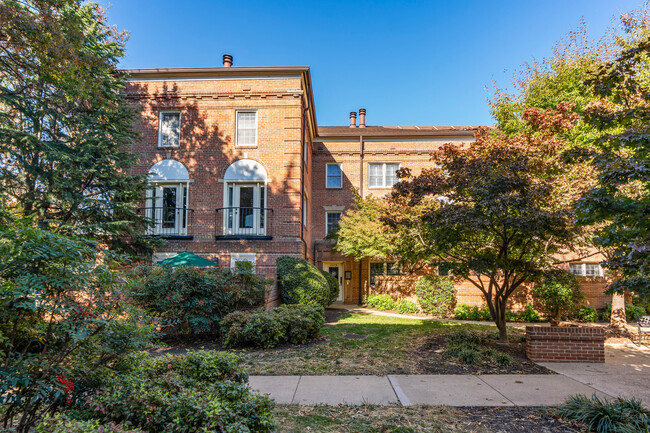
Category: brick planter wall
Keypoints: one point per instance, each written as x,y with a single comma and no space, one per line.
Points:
555,344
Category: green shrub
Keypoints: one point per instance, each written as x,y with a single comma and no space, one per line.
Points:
529,314
619,415
559,293
587,314
503,359
194,300
633,311
465,312
199,391
293,324
333,285
404,306
435,294
465,337
60,424
462,311
380,302
469,355
303,283
511,316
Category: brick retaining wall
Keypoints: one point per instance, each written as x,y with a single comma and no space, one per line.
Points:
556,344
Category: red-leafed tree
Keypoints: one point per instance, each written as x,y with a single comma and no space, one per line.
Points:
502,208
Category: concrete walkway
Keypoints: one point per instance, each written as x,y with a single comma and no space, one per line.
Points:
407,390
626,372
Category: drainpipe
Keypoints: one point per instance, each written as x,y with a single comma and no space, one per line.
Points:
361,149
302,182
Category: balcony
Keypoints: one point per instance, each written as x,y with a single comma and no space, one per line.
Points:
243,223
168,222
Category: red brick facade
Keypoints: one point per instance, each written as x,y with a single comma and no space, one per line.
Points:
555,344
291,148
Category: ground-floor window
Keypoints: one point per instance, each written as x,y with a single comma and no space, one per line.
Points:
236,258
586,269
383,268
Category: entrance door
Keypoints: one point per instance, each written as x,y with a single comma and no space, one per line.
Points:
246,214
167,206
336,269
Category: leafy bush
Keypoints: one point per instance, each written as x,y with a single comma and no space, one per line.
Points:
293,324
468,355
194,300
503,359
465,337
404,306
303,283
60,424
511,316
46,276
529,314
380,302
465,346
559,293
465,312
587,314
333,286
619,415
199,391
633,311
435,294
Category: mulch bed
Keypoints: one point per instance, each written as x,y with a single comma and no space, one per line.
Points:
514,420
433,361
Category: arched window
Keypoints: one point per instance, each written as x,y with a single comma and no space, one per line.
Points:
245,211
167,198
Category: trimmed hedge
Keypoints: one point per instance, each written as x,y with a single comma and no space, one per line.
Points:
404,306
435,294
303,283
380,302
293,324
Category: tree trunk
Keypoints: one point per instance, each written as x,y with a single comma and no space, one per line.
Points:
500,320
618,319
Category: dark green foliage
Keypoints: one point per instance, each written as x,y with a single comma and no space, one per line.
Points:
503,359
61,318
292,324
404,306
200,391
435,294
465,312
619,415
61,424
303,283
381,302
194,300
466,346
467,355
529,314
65,127
333,285
587,314
631,311
559,293
465,337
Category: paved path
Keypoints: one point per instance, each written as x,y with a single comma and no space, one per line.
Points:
407,390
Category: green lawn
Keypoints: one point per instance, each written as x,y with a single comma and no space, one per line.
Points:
357,344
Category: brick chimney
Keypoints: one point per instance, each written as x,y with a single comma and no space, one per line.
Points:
227,60
362,117
353,119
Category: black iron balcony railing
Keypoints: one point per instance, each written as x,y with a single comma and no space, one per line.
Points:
243,222
168,221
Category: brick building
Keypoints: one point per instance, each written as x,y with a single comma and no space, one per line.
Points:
240,170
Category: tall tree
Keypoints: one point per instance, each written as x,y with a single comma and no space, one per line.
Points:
363,234
502,206
621,200
65,129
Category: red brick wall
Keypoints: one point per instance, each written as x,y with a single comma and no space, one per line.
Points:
555,344
207,148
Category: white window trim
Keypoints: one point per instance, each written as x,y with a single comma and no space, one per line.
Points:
180,127
383,177
326,216
237,128
241,257
183,192
583,269
327,176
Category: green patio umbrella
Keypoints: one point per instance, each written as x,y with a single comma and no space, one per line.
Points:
187,259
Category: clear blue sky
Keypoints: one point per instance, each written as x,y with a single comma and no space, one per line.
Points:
406,62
